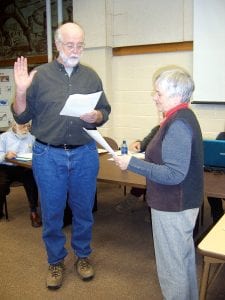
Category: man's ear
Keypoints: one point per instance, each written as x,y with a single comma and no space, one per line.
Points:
57,44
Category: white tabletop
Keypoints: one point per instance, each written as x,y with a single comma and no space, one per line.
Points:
213,244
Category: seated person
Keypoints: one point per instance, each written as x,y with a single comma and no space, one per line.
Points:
17,140
216,204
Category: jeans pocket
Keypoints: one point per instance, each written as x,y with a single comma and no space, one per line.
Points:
39,149
91,146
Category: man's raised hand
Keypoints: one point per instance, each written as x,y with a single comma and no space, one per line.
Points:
22,78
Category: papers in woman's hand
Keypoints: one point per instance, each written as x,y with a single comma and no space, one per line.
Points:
140,155
79,104
99,139
24,156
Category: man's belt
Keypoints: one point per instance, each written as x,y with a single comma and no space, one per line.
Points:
63,146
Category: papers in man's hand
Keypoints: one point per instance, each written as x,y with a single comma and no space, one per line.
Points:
79,104
24,156
99,139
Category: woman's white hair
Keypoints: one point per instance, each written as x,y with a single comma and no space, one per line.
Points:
176,82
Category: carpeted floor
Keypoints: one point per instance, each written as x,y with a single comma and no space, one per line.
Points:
123,255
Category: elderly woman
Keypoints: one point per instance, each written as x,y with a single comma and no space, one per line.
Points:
173,168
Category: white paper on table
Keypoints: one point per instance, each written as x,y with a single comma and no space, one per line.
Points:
99,139
79,104
24,156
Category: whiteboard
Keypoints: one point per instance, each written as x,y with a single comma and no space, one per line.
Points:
209,51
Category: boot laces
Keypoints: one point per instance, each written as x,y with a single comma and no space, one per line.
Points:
56,270
84,264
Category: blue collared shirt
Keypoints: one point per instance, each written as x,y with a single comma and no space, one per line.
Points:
9,141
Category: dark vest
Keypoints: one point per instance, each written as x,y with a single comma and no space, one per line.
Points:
189,193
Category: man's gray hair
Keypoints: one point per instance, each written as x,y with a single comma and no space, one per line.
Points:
58,35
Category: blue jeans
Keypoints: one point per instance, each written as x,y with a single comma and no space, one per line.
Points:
175,253
62,174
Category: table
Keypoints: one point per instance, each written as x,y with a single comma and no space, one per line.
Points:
214,186
214,182
212,247
109,172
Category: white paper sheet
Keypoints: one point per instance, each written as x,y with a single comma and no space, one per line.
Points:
99,139
140,155
79,104
100,151
24,156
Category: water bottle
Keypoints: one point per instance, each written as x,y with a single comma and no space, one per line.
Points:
124,148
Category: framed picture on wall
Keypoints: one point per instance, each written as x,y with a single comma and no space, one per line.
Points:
23,29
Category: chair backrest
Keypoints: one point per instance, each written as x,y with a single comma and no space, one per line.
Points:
16,184
112,143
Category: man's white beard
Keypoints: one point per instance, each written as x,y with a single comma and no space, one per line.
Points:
69,61
21,136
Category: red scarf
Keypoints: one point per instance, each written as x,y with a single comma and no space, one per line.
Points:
170,112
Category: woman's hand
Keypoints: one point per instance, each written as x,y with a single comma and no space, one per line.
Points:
122,161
